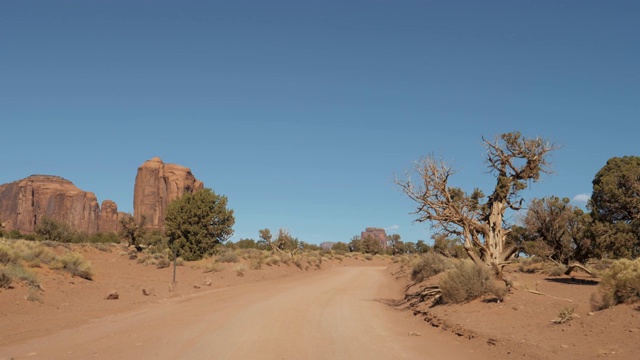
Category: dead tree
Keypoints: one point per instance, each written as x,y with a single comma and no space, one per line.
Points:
476,218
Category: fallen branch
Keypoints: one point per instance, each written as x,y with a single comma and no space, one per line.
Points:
543,294
572,267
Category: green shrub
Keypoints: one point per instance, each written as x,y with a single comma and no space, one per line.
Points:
468,281
74,264
620,284
429,265
18,273
8,255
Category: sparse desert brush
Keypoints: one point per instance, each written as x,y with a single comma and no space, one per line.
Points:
16,272
272,260
554,269
8,255
619,284
163,263
179,261
256,263
468,281
565,314
74,264
368,257
529,266
34,295
5,279
429,265
240,269
286,258
213,267
227,257
339,257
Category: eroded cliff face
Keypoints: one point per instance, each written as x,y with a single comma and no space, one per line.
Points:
157,184
109,220
25,202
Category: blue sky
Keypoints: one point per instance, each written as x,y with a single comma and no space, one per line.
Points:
301,112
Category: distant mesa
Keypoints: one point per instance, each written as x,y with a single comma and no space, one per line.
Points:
157,184
24,203
376,233
327,245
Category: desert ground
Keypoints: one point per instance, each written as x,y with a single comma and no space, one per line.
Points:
345,308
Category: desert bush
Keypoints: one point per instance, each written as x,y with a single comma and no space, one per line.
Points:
16,272
468,281
554,269
34,295
240,269
213,267
5,279
620,284
8,255
272,260
565,314
368,257
429,264
50,229
530,265
163,262
74,264
227,257
256,263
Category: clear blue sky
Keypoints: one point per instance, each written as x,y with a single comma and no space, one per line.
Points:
302,111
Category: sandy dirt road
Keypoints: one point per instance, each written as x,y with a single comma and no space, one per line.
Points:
331,314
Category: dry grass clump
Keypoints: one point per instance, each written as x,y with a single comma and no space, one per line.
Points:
530,265
468,281
272,260
213,267
429,265
74,264
16,272
554,269
620,284
227,257
368,257
565,314
240,269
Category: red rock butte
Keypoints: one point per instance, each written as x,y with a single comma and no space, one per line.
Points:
24,203
376,233
157,184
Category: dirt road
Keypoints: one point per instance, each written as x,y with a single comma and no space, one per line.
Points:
331,314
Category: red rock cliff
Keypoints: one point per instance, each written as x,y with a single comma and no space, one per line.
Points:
157,184
25,202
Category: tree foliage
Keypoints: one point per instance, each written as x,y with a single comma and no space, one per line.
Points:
478,219
197,222
615,207
555,229
50,229
133,230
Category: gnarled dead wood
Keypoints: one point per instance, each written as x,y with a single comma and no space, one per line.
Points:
572,267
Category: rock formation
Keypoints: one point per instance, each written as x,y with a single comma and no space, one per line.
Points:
109,220
376,233
157,184
25,202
